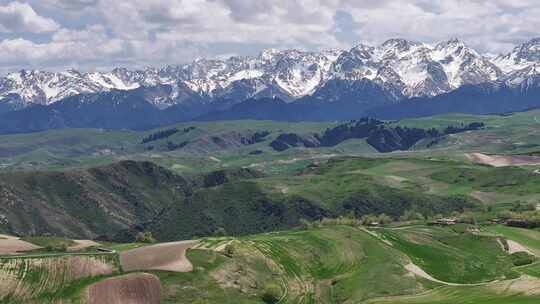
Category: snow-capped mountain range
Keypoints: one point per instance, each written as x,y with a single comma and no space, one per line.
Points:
402,68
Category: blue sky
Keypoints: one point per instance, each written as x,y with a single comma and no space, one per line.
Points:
99,34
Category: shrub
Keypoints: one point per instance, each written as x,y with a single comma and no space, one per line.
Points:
271,293
145,237
410,215
521,258
384,219
229,250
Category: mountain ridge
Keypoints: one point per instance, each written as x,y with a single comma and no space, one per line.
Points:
405,68
397,79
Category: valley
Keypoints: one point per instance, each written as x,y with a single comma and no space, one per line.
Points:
86,213
269,152
330,262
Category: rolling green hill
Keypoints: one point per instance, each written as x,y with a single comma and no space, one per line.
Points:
327,263
117,201
201,146
279,226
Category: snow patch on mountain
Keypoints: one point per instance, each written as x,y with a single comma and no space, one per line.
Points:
401,67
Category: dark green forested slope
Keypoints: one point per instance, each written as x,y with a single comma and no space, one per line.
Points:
119,200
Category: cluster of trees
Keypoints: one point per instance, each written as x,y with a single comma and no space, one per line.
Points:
289,140
470,127
172,146
378,134
159,135
355,129
365,220
519,206
164,134
524,219
255,138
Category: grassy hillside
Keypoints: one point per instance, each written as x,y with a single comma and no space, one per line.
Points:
118,201
202,146
452,256
52,279
329,263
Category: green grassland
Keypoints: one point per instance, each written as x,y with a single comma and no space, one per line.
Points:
320,188
49,279
453,257
526,237
50,243
69,148
331,263
321,264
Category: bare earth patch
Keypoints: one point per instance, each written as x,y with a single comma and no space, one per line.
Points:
485,197
82,244
503,160
524,285
23,279
136,288
165,256
413,268
13,245
514,247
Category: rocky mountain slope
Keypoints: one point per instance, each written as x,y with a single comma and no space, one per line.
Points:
119,200
398,78
403,68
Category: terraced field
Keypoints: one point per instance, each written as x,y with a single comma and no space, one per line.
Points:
52,278
327,263
349,265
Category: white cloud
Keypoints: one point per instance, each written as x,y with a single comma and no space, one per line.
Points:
20,17
142,32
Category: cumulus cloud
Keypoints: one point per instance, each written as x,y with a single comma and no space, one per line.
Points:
21,17
73,4
141,32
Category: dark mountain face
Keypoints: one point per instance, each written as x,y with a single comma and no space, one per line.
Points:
398,78
117,201
485,98
338,99
111,110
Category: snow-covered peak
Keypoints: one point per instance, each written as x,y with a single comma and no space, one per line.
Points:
521,57
452,43
403,67
400,45
462,64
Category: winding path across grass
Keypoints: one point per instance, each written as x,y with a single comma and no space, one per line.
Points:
413,268
164,256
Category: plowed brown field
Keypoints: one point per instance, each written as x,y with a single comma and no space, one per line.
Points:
166,256
135,288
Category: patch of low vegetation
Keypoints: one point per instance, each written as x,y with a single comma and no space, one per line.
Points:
50,243
526,237
52,279
453,257
145,237
522,258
